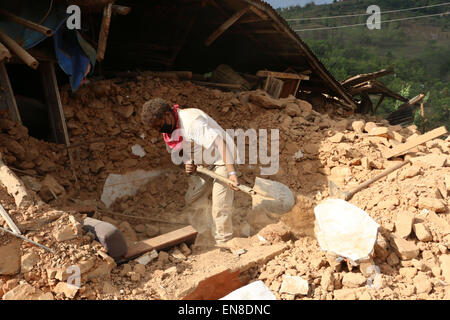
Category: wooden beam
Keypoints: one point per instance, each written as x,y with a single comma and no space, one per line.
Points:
18,50
180,45
26,23
402,148
219,85
227,24
104,30
260,31
380,101
259,13
120,10
8,94
164,241
250,20
53,99
352,81
281,75
5,55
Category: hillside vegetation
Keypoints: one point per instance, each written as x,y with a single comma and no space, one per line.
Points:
417,49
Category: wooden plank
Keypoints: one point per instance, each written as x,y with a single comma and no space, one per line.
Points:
9,221
227,24
164,241
104,30
57,119
402,148
281,75
274,87
8,94
352,81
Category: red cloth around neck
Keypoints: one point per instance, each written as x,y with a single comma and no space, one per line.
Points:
174,140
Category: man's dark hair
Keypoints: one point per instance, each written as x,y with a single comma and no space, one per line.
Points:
154,109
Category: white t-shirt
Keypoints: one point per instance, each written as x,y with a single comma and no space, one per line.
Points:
197,127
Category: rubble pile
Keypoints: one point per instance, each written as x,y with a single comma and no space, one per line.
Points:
411,205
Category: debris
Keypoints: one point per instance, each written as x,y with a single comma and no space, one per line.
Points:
433,204
68,232
14,185
148,257
422,232
28,261
340,225
8,220
68,290
256,290
358,126
401,148
10,258
117,185
433,160
25,291
445,266
294,285
353,280
407,250
137,150
403,224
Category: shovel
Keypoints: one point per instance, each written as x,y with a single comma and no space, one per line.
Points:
267,195
335,192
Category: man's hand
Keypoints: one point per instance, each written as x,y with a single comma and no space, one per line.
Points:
234,178
190,168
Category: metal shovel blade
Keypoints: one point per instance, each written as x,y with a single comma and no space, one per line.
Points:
272,197
335,192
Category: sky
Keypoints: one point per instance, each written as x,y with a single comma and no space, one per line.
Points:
287,3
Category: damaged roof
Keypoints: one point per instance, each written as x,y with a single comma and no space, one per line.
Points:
199,35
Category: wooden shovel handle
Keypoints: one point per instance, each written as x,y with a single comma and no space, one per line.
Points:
378,177
214,175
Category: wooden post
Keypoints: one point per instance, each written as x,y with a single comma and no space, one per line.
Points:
53,100
379,103
422,113
8,94
18,50
57,119
104,30
26,23
4,53
227,24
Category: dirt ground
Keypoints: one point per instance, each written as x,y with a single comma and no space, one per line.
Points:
103,120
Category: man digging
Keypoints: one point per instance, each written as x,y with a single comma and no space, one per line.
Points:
179,128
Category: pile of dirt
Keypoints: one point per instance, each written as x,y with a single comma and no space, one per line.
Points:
103,119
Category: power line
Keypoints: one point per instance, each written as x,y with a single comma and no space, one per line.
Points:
366,14
363,24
